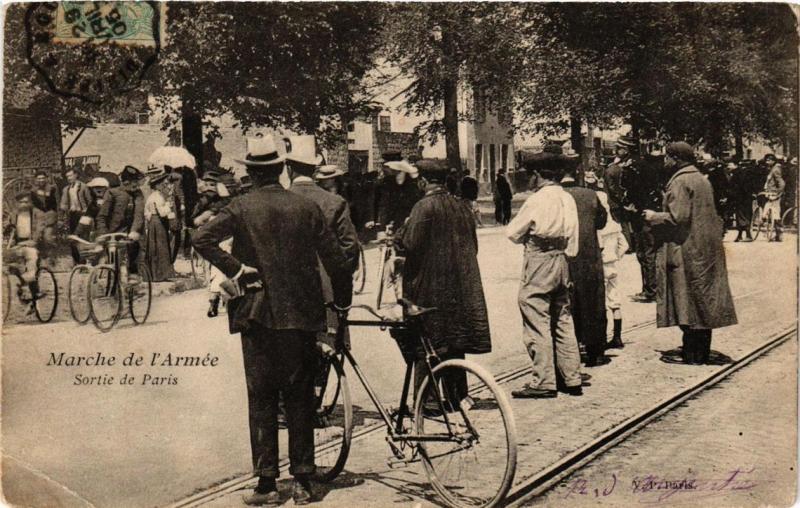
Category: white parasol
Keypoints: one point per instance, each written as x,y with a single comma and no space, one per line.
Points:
172,156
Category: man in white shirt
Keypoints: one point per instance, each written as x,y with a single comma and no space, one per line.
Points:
547,224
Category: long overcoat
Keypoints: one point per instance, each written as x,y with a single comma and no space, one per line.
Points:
588,296
693,286
441,270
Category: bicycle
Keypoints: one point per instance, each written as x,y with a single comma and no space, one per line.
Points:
762,220
450,430
360,275
43,303
110,285
78,285
387,255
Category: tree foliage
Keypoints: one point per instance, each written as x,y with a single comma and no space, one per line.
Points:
675,71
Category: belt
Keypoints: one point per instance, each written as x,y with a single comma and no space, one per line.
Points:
541,244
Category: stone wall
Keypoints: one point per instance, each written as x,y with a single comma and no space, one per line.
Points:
30,143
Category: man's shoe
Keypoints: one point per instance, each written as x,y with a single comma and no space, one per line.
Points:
575,391
616,343
643,298
528,392
301,492
271,498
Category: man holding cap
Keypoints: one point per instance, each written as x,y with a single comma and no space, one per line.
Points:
693,291
279,239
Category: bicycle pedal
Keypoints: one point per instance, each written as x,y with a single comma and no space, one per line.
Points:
398,453
396,463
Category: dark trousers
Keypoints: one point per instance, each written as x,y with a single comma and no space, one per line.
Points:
454,382
696,345
646,252
280,362
73,219
502,211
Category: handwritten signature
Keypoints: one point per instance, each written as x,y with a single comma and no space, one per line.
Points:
654,489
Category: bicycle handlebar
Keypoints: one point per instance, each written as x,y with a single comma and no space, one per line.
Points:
111,237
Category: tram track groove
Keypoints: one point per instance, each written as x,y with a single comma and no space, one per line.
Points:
232,485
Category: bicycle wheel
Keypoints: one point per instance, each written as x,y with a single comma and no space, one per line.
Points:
140,296
326,387
789,217
334,431
476,466
105,297
360,275
755,223
6,296
769,228
46,301
381,275
78,293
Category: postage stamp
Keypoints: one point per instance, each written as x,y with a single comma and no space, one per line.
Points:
99,22
94,50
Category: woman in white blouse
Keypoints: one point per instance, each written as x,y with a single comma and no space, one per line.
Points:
160,219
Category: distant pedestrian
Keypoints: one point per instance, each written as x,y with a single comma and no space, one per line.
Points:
587,295
627,152
613,246
452,182
469,193
693,291
75,199
502,198
740,197
547,224
774,188
43,198
160,222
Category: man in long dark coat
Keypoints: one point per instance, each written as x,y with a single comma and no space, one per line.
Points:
693,291
503,199
279,239
588,295
441,270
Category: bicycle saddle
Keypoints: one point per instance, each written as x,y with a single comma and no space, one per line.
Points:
414,310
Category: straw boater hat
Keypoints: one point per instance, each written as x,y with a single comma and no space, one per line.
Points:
303,149
262,152
403,166
627,141
328,171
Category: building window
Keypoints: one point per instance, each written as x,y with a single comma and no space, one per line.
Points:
351,127
142,118
385,123
492,159
504,156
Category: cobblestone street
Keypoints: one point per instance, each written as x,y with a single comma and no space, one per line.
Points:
200,435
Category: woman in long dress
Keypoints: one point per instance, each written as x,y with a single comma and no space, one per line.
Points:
160,219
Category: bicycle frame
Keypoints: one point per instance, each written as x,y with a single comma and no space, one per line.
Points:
395,429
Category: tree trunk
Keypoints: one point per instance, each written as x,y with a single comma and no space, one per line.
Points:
192,133
452,145
577,144
739,143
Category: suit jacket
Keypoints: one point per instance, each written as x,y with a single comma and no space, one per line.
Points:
337,217
284,236
121,212
84,197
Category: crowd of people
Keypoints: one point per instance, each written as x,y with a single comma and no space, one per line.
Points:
282,249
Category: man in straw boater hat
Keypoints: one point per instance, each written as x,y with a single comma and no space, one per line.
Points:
397,194
547,224
303,162
279,238
441,270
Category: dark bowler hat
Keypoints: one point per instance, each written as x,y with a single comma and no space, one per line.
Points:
130,174
627,141
433,169
262,152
